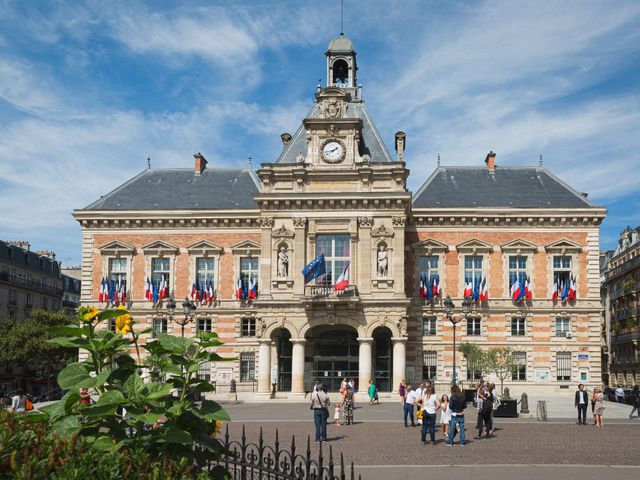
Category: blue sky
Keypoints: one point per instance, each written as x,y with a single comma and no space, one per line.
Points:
89,89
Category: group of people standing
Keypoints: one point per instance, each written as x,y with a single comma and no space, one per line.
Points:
452,410
596,399
320,403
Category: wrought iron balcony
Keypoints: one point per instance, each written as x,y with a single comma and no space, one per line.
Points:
319,295
30,284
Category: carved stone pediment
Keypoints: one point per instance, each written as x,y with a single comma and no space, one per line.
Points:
204,248
117,248
282,232
430,246
381,231
246,247
474,246
160,248
519,246
563,246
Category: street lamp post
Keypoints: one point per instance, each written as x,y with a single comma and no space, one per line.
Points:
449,306
189,312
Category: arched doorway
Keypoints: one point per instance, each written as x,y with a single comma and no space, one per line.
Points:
331,354
284,351
383,359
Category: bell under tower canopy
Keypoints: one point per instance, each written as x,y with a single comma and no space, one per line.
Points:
341,63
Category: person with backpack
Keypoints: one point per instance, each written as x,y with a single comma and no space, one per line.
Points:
320,405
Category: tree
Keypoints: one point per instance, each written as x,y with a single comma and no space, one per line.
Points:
475,356
25,344
500,361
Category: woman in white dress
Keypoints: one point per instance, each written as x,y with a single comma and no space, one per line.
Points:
445,416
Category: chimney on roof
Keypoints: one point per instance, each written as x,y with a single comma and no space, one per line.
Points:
201,163
46,253
20,243
401,142
491,161
286,139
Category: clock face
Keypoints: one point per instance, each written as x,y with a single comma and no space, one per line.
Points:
332,151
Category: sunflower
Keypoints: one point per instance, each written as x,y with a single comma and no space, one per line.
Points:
88,314
217,428
123,322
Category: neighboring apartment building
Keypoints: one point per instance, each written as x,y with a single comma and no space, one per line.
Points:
621,298
71,288
336,190
28,280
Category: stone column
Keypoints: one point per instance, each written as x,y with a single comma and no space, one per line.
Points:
364,363
299,257
297,365
264,366
399,361
264,281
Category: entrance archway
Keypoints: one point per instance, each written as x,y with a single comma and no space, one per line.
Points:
331,354
284,351
383,359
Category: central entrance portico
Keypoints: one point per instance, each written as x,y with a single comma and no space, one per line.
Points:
331,354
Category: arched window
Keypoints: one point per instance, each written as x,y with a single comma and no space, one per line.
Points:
340,72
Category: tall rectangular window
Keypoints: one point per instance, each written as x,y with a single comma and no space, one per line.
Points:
429,267
118,270
28,300
563,366
205,270
248,268
429,325
204,372
517,268
205,325
561,270
518,326
337,254
247,366
160,325
429,365
45,302
472,269
519,369
13,297
474,326
563,326
248,327
474,372
160,270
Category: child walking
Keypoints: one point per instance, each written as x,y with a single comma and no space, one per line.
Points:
445,416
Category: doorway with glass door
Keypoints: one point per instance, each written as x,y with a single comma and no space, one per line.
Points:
332,355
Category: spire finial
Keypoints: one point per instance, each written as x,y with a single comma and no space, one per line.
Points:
540,162
250,163
148,163
341,17
438,160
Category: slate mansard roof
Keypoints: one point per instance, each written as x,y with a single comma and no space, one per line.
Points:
370,142
182,189
507,187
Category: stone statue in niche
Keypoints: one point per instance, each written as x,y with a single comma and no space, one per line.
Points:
383,261
283,263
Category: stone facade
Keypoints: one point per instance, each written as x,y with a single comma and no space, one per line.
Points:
336,190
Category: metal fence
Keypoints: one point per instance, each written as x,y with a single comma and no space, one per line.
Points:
257,461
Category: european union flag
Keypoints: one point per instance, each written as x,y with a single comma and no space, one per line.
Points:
314,269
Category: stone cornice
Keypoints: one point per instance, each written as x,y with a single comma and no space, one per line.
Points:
156,219
330,201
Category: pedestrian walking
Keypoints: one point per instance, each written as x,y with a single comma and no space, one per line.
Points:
457,405
598,411
580,402
347,406
320,405
409,402
636,401
430,407
619,394
373,393
485,413
445,415
402,389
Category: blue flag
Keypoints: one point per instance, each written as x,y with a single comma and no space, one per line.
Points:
476,289
314,269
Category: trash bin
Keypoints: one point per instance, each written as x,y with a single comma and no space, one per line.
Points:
541,411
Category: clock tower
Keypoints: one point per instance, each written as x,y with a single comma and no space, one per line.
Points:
341,64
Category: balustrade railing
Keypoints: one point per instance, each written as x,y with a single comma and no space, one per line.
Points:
321,291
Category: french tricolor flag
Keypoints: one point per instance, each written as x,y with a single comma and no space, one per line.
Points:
423,286
253,288
572,288
195,294
239,289
515,289
528,288
468,290
484,291
343,280
148,294
435,291
554,295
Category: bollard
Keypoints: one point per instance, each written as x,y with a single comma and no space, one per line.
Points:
524,403
232,386
542,411
273,391
507,393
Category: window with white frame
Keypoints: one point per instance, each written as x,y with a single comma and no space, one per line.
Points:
474,372
517,268
205,325
28,300
429,325
563,366
429,267
474,326
205,271
118,270
518,326
429,364
247,366
248,268
563,326
161,270
519,368
248,327
473,269
561,270
337,254
13,297
160,325
204,371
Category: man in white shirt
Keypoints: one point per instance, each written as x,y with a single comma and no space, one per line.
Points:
420,390
619,394
409,401
581,402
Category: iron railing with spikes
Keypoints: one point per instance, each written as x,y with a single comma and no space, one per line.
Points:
257,461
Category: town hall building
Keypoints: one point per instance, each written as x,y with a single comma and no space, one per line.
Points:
336,190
